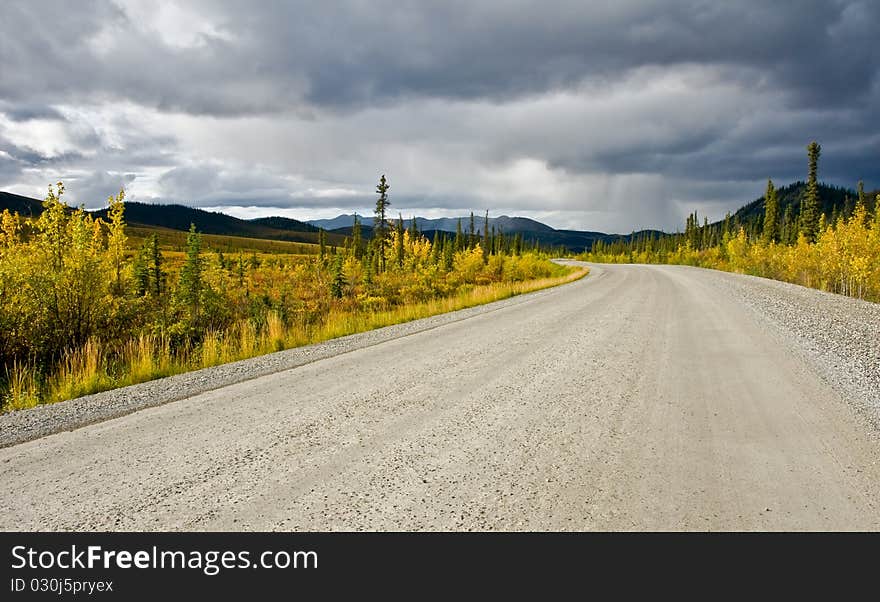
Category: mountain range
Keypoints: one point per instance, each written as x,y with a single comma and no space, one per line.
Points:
442,224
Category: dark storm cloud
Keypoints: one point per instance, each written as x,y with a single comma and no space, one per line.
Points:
282,55
636,109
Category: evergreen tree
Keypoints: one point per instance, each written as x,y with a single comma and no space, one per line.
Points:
861,203
322,244
771,208
459,237
369,269
155,259
437,248
471,233
789,231
380,226
337,281
141,271
485,244
810,208
240,271
398,242
356,240
191,283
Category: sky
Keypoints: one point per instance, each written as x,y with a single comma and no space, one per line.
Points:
609,116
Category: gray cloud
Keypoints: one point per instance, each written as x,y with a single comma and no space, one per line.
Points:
603,114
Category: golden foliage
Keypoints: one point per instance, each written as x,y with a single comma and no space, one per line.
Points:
844,259
81,311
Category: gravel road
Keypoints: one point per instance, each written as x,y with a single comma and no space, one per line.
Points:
641,397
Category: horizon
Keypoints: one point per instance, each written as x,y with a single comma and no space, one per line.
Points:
306,216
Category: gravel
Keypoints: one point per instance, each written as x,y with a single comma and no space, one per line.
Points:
27,425
839,337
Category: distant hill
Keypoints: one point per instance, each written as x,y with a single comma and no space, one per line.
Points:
179,217
345,220
530,230
25,206
284,223
834,200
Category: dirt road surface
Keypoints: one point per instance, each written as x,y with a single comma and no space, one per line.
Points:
641,397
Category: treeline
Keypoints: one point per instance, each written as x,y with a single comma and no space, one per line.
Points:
83,312
822,245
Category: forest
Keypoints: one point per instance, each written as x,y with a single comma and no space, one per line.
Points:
90,304
830,243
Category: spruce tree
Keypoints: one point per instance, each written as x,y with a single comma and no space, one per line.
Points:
862,201
771,209
368,269
356,241
810,209
436,248
380,226
337,281
398,242
459,237
485,244
191,284
141,271
155,258
322,244
788,234
240,270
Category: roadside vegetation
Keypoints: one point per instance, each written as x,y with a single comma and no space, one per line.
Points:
835,249
89,304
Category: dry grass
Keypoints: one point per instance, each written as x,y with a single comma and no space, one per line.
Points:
22,390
